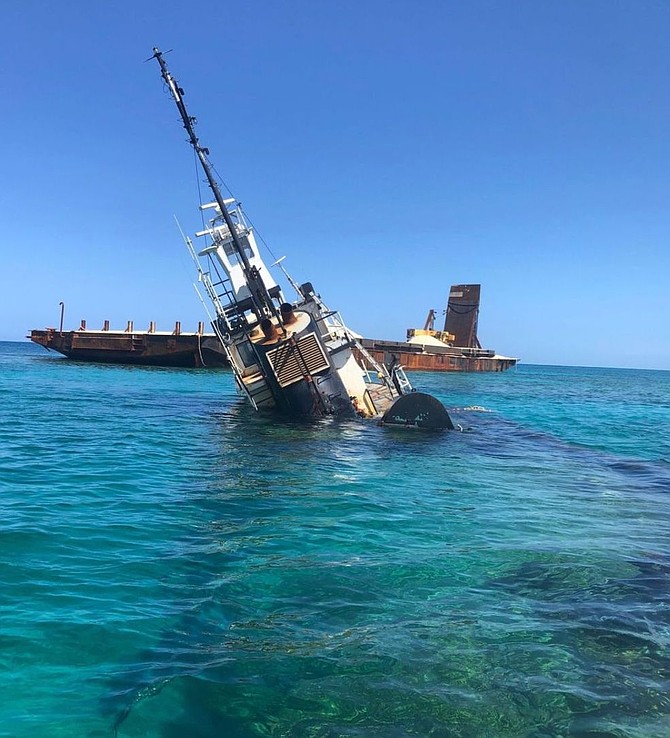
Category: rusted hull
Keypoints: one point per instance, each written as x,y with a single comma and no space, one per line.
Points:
143,349
439,363
463,314
451,359
197,350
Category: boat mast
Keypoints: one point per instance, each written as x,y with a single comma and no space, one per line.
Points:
262,302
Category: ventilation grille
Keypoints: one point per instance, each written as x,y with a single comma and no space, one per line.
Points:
290,362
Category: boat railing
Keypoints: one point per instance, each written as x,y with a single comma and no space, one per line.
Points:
401,381
372,376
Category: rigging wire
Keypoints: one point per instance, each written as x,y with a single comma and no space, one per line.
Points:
197,179
222,182
251,223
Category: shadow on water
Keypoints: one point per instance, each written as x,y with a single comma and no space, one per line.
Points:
652,475
497,436
614,631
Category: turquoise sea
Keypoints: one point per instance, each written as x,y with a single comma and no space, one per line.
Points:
173,565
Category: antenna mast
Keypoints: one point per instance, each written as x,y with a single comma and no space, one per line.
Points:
262,302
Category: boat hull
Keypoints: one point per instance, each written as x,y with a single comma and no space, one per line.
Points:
418,410
142,349
451,359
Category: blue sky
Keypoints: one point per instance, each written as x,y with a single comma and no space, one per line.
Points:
387,149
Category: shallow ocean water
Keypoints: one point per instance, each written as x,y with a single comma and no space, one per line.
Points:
173,564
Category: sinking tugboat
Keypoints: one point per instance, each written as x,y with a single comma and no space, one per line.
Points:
297,358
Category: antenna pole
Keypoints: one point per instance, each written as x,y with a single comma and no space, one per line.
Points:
259,293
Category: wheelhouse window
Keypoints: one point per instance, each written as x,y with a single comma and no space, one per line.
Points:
246,353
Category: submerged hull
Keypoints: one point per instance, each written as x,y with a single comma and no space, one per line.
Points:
142,349
418,410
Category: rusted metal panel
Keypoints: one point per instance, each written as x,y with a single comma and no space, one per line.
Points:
463,314
428,362
144,348
437,359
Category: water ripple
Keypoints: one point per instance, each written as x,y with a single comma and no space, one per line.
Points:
173,564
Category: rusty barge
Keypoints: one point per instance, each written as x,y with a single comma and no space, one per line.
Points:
456,348
130,346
